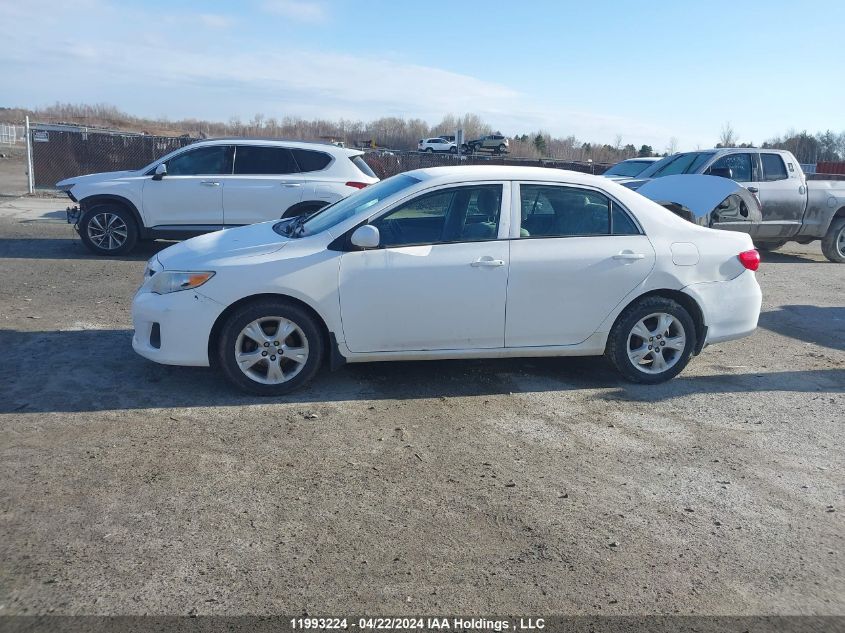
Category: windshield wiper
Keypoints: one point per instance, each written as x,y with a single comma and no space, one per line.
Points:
293,227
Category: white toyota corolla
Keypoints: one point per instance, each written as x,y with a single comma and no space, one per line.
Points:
452,262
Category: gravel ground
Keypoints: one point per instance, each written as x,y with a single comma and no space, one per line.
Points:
522,486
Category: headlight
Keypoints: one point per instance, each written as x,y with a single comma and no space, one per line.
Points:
168,281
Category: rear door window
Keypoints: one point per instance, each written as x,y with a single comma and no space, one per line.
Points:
773,167
310,160
258,160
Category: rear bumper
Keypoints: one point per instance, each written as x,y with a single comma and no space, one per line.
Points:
730,308
184,323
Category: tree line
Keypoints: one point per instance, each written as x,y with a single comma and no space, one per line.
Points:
403,134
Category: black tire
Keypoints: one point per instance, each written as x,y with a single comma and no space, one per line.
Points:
833,244
230,337
769,246
502,148
430,150
453,150
108,229
617,350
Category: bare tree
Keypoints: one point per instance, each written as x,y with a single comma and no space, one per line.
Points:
728,136
617,142
672,147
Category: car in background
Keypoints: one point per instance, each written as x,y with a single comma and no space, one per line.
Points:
427,264
630,168
496,143
211,185
793,208
437,145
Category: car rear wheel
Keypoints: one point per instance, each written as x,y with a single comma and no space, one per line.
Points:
270,347
108,230
833,244
652,341
430,150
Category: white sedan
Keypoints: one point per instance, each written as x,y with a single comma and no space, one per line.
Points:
451,262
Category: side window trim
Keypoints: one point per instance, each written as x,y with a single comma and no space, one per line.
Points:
516,211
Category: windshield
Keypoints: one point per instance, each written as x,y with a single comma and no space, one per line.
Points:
687,163
344,209
628,168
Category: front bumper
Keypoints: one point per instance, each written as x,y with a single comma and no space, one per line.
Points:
184,322
731,308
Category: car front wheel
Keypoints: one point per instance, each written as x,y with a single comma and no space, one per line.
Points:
108,230
270,347
652,341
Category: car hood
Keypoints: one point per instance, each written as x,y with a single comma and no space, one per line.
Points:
90,178
216,249
702,199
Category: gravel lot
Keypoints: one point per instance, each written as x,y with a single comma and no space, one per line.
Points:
520,486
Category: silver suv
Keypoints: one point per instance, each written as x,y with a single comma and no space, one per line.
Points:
497,143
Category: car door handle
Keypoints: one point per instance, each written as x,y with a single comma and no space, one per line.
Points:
488,262
629,255
210,183
753,189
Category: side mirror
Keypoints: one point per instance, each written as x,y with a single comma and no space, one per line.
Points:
160,172
366,236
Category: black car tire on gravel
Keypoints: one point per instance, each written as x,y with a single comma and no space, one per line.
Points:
233,343
622,338
833,244
108,229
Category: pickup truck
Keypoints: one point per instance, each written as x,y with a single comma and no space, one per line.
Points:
792,208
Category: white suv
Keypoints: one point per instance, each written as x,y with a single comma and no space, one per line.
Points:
437,145
208,186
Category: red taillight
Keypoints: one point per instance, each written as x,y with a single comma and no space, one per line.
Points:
357,185
750,259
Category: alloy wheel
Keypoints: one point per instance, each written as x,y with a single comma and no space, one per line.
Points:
656,343
271,350
107,231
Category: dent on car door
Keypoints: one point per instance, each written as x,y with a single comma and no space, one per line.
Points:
578,255
438,279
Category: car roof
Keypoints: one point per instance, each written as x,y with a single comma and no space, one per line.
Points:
461,173
313,145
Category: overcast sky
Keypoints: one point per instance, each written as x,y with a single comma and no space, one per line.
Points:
645,71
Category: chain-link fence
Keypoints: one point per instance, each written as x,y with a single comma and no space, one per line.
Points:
388,163
64,151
